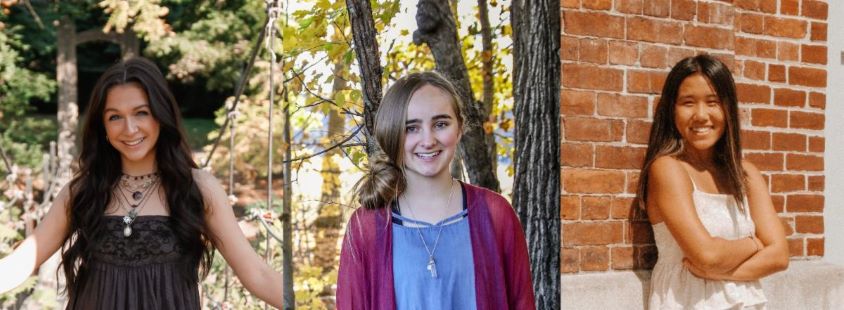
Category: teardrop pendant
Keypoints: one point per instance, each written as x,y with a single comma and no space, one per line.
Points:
127,231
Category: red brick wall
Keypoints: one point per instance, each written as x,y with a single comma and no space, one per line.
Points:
616,54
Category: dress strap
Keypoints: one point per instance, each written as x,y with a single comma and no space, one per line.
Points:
694,186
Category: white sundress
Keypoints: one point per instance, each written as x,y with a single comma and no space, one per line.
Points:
675,287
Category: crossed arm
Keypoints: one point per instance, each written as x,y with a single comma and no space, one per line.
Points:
669,192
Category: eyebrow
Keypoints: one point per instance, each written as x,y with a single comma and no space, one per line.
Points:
436,117
133,109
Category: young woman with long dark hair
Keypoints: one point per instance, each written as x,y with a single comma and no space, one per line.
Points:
715,226
139,222
422,240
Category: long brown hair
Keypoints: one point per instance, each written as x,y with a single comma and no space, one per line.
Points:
665,139
384,181
100,167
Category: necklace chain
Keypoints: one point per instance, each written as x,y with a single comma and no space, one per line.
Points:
432,264
133,210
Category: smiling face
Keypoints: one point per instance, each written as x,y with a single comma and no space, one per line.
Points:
432,132
130,127
698,114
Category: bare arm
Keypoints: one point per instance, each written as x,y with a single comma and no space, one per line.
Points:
35,249
670,194
252,271
774,255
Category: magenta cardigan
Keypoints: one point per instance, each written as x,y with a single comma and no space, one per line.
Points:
502,267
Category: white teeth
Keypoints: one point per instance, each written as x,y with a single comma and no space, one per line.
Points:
702,129
427,155
133,143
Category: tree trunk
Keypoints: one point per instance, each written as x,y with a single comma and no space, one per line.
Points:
437,28
68,112
329,221
489,85
369,62
536,192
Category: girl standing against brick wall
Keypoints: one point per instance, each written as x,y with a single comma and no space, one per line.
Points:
715,226
421,238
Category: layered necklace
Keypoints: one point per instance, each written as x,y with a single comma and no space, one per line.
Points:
141,188
432,264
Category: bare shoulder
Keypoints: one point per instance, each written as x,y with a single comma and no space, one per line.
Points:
665,163
204,179
667,170
749,168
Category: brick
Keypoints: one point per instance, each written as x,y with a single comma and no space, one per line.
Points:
754,70
570,207
807,76
595,208
683,9
816,183
815,54
570,260
625,208
592,77
755,140
654,56
623,52
640,81
619,157
638,131
781,183
652,30
795,247
804,203
675,54
816,144
629,6
776,73
817,100
789,142
787,51
709,37
729,59
592,233
785,27
767,6
569,48
766,161
576,154
799,162
769,118
593,181
715,13
756,47
789,98
790,7
751,23
622,258
590,129
639,232
807,120
818,31
656,8
611,104
787,225
754,93
814,246
815,9
632,181
779,203
597,4
593,50
577,102
570,4
594,258
584,23
808,224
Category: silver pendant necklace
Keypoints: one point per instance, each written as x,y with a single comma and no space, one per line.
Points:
432,264
134,209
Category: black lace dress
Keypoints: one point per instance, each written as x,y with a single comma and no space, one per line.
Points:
138,272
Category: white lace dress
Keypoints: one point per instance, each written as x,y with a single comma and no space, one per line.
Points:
674,287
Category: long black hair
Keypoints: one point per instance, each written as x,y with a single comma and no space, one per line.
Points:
665,139
100,167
